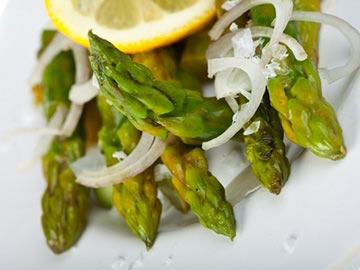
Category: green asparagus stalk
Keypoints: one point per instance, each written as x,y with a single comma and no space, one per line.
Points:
259,156
167,187
65,204
162,64
202,191
46,37
135,198
307,118
156,107
195,185
193,58
57,79
265,148
188,80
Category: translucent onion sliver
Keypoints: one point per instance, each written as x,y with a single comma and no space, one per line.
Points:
351,34
258,85
283,10
144,162
57,44
82,76
82,93
222,46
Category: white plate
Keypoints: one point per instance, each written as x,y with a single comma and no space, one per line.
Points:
313,224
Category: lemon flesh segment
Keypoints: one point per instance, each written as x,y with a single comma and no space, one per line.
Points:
131,25
175,5
118,14
150,11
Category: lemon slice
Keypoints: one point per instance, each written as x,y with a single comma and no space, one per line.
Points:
131,25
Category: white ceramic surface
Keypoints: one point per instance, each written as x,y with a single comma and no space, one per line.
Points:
313,224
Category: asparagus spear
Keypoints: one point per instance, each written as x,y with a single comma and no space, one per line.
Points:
135,198
188,80
156,107
265,148
195,185
65,204
209,115
202,191
58,77
193,58
46,37
295,92
167,187
162,64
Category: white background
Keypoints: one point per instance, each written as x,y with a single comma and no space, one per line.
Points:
313,224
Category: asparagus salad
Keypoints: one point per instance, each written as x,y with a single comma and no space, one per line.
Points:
120,86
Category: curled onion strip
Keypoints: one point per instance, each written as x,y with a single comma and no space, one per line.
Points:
231,101
72,119
82,75
45,141
258,86
132,170
57,44
81,63
231,82
351,34
142,147
221,47
82,93
283,10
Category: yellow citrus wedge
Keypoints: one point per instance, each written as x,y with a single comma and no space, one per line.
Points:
131,25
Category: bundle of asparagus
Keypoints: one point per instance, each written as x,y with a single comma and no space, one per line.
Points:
159,93
65,203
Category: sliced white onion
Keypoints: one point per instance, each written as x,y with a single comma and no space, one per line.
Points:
253,128
132,170
229,4
234,106
258,86
82,76
231,82
270,69
351,34
95,82
221,47
45,141
283,10
243,44
57,44
81,63
119,155
289,41
142,147
82,93
72,119
279,52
